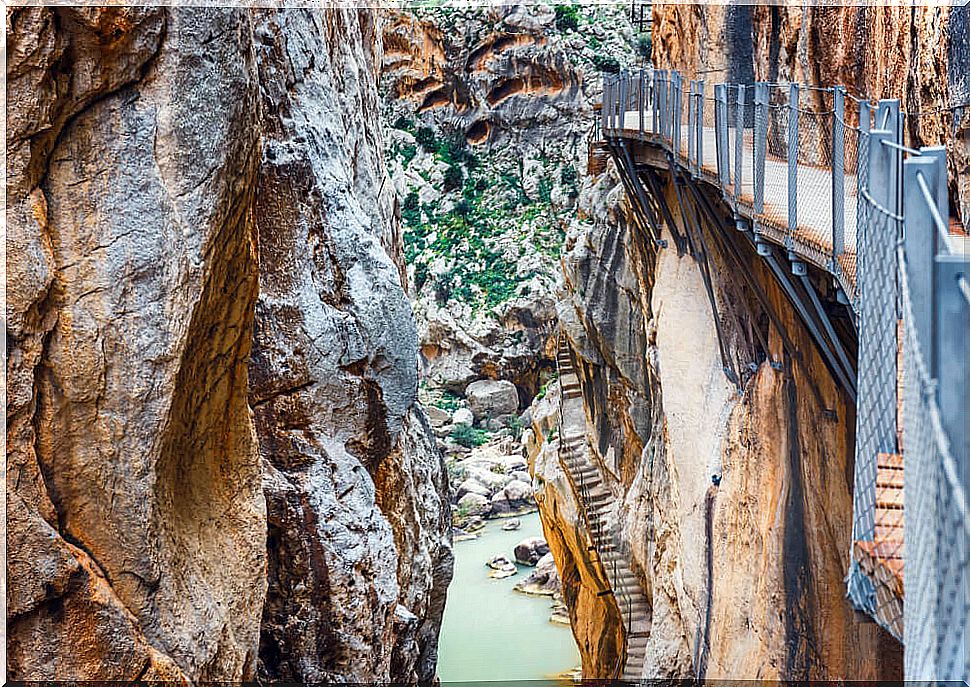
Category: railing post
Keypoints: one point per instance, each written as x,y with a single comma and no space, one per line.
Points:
677,111
720,135
691,115
760,144
624,86
739,145
921,240
654,106
951,346
699,146
605,109
888,118
838,174
642,99
793,100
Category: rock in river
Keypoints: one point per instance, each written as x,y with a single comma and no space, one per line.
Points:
544,580
530,551
514,498
501,567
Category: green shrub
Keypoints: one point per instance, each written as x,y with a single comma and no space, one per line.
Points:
606,63
403,123
408,153
426,138
569,176
545,190
467,436
449,401
453,178
567,17
644,46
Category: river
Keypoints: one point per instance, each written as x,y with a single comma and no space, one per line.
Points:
491,632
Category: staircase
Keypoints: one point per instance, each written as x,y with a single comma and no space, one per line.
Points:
882,557
594,498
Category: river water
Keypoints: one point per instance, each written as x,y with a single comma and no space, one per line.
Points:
490,632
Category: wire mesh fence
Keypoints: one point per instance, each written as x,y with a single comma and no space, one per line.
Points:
827,175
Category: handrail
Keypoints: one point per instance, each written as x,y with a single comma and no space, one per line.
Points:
593,527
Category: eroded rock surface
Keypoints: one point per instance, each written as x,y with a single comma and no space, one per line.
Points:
211,356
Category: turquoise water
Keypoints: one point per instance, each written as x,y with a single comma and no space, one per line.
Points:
489,631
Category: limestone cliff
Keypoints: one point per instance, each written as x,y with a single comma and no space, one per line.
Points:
491,107
745,578
216,465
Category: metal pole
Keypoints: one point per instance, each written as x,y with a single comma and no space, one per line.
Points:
677,111
739,145
838,174
792,164
699,146
951,346
720,134
921,242
624,86
653,101
641,100
690,125
760,144
888,118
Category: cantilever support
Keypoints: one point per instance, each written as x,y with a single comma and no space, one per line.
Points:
813,327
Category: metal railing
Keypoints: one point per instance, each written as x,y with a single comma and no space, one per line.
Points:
828,177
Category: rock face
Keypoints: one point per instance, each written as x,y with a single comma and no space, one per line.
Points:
490,108
211,356
133,475
744,579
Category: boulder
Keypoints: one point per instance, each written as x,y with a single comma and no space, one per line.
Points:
489,398
493,480
521,476
463,416
530,551
515,497
471,486
544,580
474,504
512,525
501,567
437,417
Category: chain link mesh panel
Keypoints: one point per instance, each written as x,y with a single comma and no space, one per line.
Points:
937,528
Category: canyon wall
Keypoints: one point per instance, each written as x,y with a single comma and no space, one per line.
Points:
217,469
490,109
744,572
919,55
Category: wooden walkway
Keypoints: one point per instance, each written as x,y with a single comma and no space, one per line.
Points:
882,558
812,239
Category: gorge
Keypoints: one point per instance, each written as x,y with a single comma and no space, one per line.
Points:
301,301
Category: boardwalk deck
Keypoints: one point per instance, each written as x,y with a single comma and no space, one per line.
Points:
812,238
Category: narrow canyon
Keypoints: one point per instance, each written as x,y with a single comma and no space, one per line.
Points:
303,304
